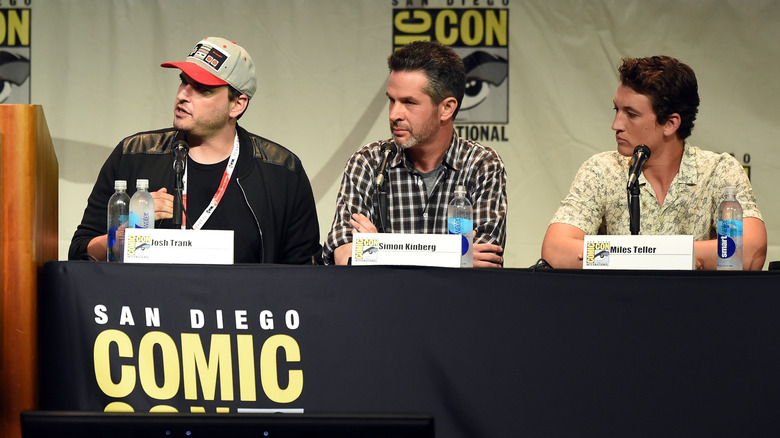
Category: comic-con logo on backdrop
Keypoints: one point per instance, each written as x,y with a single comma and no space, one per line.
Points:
480,36
204,359
15,54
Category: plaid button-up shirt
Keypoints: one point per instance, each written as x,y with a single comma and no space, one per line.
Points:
410,209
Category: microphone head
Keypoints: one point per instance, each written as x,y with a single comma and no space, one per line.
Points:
641,155
390,147
643,149
180,147
179,150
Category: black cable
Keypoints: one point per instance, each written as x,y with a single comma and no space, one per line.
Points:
541,264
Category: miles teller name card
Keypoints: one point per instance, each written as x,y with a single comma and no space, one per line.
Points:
638,252
205,247
441,250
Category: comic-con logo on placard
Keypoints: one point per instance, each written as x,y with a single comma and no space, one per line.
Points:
15,55
481,37
597,254
138,245
366,250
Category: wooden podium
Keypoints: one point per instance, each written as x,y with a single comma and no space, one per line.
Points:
28,238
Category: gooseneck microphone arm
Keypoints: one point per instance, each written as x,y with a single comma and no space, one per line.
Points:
180,150
641,155
381,187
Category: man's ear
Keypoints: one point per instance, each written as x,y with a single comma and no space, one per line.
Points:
447,108
672,124
239,105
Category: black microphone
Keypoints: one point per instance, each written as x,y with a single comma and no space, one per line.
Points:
641,155
180,150
387,154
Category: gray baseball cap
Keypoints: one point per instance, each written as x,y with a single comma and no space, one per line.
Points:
216,61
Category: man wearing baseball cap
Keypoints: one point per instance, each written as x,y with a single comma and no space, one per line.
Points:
232,179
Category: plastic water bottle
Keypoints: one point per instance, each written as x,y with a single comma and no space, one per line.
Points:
459,221
730,232
142,206
118,209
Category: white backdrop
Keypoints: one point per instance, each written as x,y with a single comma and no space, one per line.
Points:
322,72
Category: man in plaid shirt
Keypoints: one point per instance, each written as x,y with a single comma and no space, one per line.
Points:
425,90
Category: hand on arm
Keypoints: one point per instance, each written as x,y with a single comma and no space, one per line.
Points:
562,246
487,255
753,247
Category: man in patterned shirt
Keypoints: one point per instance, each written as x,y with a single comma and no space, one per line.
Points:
681,185
425,90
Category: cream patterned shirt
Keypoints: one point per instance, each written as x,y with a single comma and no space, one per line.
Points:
597,202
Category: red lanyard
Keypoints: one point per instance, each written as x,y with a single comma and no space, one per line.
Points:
220,190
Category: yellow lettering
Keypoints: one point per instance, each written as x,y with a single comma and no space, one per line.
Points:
420,21
130,245
18,27
472,27
496,28
246,368
269,374
447,19
170,361
420,24
102,360
194,365
118,407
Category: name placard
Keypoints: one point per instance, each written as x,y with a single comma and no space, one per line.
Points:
207,247
441,250
638,252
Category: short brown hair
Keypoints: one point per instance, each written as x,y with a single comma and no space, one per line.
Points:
443,67
669,84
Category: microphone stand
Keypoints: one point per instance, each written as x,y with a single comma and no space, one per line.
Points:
633,207
178,198
179,165
381,191
180,149
641,155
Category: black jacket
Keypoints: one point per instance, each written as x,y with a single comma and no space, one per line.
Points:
273,183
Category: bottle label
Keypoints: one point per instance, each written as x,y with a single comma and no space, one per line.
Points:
112,237
139,221
465,246
116,243
726,247
728,231
730,227
458,225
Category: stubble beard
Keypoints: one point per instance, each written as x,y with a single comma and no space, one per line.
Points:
426,132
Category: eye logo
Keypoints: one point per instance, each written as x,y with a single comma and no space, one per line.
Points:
14,70
484,72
